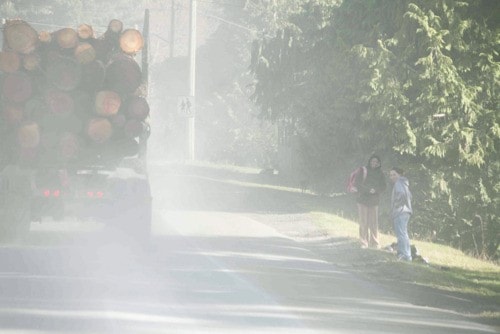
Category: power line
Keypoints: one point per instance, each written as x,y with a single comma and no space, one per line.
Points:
221,3
210,15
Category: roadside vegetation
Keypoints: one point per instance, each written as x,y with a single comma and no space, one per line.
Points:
414,81
448,278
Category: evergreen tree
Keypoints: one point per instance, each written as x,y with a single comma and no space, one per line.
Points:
414,80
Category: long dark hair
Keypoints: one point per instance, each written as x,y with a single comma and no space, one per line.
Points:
374,156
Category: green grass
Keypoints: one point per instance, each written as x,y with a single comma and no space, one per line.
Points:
439,255
449,272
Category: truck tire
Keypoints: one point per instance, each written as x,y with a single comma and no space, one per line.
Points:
15,202
15,219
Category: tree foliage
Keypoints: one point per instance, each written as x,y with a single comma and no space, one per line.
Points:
416,81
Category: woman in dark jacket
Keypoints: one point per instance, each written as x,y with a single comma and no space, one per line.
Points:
369,189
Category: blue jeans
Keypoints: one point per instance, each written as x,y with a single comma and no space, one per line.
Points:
401,229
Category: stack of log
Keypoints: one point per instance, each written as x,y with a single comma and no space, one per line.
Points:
68,96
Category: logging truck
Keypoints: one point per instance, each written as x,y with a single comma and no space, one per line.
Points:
73,128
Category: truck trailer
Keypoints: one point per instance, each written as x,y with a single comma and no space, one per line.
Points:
74,128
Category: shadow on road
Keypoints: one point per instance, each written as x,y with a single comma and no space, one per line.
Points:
188,187
200,284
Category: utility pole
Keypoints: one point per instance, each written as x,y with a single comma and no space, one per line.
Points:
172,28
145,53
192,78
145,84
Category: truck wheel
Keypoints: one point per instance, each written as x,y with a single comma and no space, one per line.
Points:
15,221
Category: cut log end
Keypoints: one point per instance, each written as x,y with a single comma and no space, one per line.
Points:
115,26
131,41
107,103
85,31
99,130
67,38
45,37
28,135
20,36
85,53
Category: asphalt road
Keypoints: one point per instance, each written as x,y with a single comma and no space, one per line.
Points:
212,268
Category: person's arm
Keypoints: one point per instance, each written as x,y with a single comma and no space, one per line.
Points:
360,182
399,197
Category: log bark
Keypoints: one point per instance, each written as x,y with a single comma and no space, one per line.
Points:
31,62
16,87
10,61
137,108
118,120
111,38
125,147
20,36
123,75
27,155
103,49
35,108
92,76
68,146
13,114
133,128
59,102
64,73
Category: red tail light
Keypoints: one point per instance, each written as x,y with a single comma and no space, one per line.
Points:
53,193
99,194
90,194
